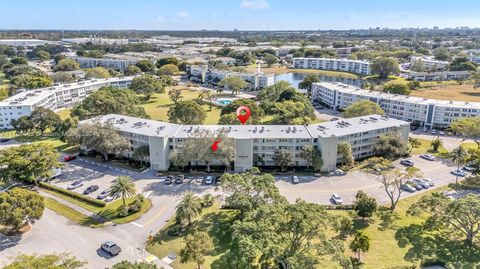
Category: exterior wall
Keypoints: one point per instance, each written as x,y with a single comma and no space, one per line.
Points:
435,76
328,147
354,66
159,153
117,64
243,154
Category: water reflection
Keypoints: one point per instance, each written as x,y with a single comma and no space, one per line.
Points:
296,78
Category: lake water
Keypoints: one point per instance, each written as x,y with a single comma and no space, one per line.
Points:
296,78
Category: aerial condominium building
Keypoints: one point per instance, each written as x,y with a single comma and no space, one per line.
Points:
429,63
117,62
203,74
430,113
255,145
346,65
55,98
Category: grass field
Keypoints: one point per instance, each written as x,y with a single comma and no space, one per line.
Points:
284,69
388,247
425,148
109,211
448,92
71,213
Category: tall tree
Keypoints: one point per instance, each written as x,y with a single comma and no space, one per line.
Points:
436,143
28,162
413,143
141,153
256,115
312,156
397,88
167,60
64,126
270,59
19,207
392,181
175,95
46,261
66,65
233,83
384,66
168,69
104,138
98,72
197,246
124,187
43,119
189,208
109,100
134,265
390,146
308,81
147,85
293,112
132,70
283,158
146,66
42,55
365,206
345,150
459,156
360,244
469,127
362,108
460,215
186,112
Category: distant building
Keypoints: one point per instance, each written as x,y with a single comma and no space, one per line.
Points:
25,42
346,65
343,52
55,98
421,111
203,74
114,61
255,145
429,63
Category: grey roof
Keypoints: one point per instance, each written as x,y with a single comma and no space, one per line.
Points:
326,129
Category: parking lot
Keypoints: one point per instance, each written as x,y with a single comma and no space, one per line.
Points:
320,189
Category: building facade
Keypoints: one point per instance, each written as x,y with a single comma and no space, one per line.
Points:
55,98
430,113
429,63
346,65
255,145
203,74
118,62
439,75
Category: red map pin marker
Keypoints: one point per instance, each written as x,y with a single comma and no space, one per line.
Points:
243,117
215,145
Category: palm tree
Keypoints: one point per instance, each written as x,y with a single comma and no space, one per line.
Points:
189,208
436,143
361,243
458,155
123,186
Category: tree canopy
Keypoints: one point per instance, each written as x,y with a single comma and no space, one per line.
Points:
168,69
469,127
147,85
397,88
66,65
390,146
384,66
48,261
186,112
362,108
233,83
19,207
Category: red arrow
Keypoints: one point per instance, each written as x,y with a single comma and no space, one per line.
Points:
215,145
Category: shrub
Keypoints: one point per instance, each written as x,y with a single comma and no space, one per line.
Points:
72,194
123,211
134,207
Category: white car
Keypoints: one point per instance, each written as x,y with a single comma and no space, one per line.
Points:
336,199
459,173
109,199
441,133
209,180
427,157
429,181
295,180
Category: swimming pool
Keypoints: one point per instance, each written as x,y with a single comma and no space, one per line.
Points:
223,102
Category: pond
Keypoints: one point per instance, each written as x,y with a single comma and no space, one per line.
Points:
223,102
296,78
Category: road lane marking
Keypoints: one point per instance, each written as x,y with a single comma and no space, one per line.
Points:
136,224
81,239
147,194
155,217
331,182
53,223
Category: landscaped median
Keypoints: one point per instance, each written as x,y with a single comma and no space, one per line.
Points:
108,211
71,213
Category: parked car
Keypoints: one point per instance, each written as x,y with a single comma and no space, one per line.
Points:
217,180
468,168
69,158
169,180
209,180
111,247
179,179
109,198
415,185
407,187
421,182
103,194
199,179
459,173
433,131
4,140
334,119
336,199
429,181
413,127
90,189
407,162
427,157
441,133
294,180
425,130
75,185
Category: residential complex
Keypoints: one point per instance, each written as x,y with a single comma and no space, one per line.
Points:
114,61
439,75
203,74
429,63
54,98
346,65
430,113
255,145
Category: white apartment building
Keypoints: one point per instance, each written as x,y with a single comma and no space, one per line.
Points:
439,75
54,98
429,62
204,75
255,145
430,113
346,65
117,62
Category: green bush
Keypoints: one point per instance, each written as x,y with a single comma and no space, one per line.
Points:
123,211
72,194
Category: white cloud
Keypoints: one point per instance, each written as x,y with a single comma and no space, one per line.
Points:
160,18
254,4
182,14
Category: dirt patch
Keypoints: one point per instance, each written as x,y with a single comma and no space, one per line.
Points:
449,92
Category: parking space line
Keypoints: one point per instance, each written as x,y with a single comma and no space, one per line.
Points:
136,224
79,238
331,182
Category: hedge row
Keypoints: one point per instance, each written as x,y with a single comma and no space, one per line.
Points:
73,194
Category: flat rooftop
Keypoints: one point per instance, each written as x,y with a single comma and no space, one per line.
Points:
327,129
31,97
341,87
333,59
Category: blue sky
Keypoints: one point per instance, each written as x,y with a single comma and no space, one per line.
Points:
236,14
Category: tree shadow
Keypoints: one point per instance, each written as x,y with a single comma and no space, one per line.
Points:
9,241
387,219
476,94
436,247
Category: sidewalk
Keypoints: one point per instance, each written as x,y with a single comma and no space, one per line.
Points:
74,206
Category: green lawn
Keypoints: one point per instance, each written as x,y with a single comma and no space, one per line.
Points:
109,211
389,248
425,148
71,213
